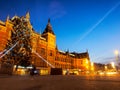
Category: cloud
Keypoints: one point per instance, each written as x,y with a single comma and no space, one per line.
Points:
56,10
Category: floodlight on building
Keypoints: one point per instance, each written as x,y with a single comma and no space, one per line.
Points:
92,66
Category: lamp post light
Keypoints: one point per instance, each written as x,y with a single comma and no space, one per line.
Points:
117,55
116,52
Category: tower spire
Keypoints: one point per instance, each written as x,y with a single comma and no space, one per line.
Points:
48,28
48,20
8,17
28,15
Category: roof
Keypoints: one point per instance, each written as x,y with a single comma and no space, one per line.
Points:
81,55
48,28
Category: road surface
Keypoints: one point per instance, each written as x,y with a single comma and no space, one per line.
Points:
59,82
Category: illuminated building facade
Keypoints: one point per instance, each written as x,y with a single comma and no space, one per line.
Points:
5,31
45,45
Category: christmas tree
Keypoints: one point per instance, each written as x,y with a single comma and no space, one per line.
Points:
21,38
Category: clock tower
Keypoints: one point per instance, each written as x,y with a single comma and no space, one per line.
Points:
49,35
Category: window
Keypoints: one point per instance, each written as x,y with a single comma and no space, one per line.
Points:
51,54
42,51
81,62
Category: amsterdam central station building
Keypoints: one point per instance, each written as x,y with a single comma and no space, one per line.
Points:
49,55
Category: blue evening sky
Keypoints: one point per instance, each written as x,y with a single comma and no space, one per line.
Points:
79,25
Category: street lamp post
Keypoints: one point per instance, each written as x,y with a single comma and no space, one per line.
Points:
117,58
117,55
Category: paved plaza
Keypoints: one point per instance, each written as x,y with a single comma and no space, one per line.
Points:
59,82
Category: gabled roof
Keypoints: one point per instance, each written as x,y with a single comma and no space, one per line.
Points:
81,55
48,28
